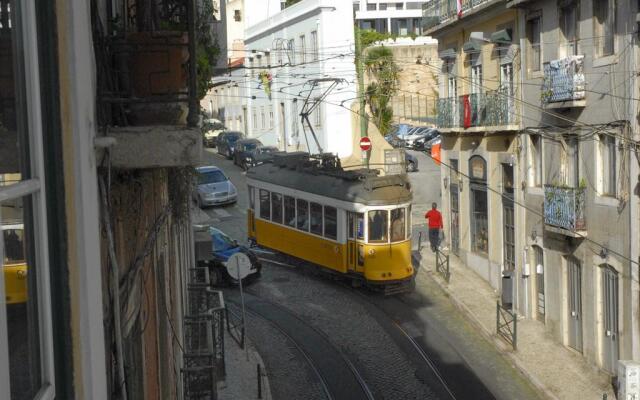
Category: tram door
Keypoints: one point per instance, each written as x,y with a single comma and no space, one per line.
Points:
355,234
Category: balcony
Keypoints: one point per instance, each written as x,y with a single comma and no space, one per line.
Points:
437,12
564,83
147,85
564,210
495,110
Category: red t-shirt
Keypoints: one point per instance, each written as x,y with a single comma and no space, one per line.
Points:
435,219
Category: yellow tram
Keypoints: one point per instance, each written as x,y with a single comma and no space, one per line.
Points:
354,223
14,264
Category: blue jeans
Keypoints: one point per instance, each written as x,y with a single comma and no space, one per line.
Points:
434,238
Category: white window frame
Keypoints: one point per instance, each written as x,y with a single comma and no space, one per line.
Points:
271,119
314,45
536,161
263,118
607,174
303,49
35,188
254,114
318,115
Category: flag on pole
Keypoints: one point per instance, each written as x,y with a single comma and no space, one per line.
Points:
459,8
466,111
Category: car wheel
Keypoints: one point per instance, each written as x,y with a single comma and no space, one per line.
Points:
411,166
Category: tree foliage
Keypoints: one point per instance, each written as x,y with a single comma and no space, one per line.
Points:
383,72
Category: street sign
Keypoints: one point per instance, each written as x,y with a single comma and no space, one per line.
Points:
365,144
238,266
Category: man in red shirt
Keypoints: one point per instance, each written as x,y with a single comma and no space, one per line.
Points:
435,225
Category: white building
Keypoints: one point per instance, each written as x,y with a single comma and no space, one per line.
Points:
397,17
310,40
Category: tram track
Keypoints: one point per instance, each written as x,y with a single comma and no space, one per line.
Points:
337,375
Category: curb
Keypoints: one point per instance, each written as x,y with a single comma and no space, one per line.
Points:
487,334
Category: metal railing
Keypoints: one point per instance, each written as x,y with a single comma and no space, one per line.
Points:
436,12
507,325
564,207
493,108
235,327
564,80
146,61
442,265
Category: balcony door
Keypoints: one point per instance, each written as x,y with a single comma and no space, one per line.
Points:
574,306
454,198
610,346
452,84
507,90
508,220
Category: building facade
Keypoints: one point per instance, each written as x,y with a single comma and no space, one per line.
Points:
401,18
556,191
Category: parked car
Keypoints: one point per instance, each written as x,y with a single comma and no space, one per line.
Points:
244,147
418,134
211,129
212,187
424,143
227,142
213,250
259,156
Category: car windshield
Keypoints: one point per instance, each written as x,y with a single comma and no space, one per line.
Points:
211,177
250,146
264,150
233,138
221,241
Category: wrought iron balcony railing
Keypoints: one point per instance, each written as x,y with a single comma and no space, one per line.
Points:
436,12
564,207
564,80
495,108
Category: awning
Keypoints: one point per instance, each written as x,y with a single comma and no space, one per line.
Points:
447,54
471,47
501,36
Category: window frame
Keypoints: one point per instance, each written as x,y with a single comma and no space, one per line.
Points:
303,47
311,206
600,28
564,25
298,224
608,164
32,188
536,157
263,209
403,212
385,238
277,198
532,67
324,222
285,216
314,45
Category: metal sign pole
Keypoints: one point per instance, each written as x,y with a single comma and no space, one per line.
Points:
244,324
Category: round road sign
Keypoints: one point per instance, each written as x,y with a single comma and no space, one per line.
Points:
365,144
238,266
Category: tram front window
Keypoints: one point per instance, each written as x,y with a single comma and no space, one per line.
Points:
397,225
378,226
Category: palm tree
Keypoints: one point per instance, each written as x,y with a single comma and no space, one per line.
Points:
383,70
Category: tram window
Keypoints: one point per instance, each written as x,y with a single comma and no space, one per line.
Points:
360,225
398,225
252,199
352,225
290,211
276,207
378,226
303,215
330,222
265,204
316,218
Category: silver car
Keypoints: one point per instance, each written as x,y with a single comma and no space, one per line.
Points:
213,187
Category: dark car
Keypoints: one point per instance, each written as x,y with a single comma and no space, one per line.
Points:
259,156
227,141
244,148
211,128
424,143
213,250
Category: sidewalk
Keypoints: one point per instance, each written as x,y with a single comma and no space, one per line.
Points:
241,382
555,370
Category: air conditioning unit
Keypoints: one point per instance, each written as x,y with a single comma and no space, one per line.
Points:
628,380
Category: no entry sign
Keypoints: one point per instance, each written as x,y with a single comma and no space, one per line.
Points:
365,144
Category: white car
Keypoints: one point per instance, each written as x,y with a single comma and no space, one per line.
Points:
418,133
212,187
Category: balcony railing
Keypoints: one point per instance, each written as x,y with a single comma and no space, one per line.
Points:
564,208
436,12
564,80
495,108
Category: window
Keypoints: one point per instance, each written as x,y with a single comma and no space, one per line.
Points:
535,161
271,119
399,6
371,6
571,164
302,207
398,225
356,6
382,6
276,207
265,204
476,74
356,225
294,120
316,218
378,226
254,115
318,115
533,36
252,199
479,204
607,156
569,30
314,45
292,51
290,211
264,118
604,21
303,50
330,222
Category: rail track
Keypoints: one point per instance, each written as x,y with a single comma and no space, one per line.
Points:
337,375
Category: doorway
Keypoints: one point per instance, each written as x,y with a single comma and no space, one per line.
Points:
610,347
540,298
574,317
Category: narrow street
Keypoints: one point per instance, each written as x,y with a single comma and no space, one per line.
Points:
426,349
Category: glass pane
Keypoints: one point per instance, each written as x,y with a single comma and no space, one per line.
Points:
252,198
265,205
397,225
316,218
276,207
330,222
13,134
20,296
351,223
378,226
290,211
360,225
303,215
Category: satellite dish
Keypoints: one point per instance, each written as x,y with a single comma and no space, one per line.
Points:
238,266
